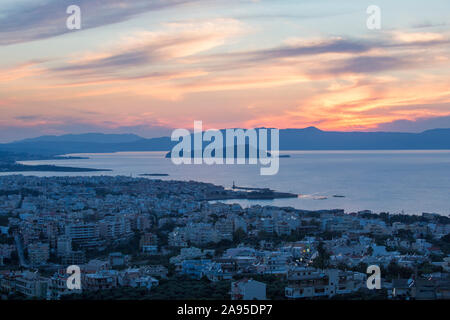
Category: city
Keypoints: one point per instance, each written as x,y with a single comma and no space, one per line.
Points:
224,158
138,238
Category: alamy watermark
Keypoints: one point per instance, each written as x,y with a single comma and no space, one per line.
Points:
374,20
73,22
74,280
229,146
374,280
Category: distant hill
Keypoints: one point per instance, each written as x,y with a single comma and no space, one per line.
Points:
290,139
86,137
50,146
248,150
315,139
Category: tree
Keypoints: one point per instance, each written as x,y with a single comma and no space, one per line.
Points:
239,235
214,217
394,270
4,220
361,267
323,259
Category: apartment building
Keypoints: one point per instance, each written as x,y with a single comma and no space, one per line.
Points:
74,257
38,253
84,234
31,284
114,228
63,246
149,243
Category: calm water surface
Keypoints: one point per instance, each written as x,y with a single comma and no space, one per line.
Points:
393,181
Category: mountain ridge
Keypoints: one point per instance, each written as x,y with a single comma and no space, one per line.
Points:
85,137
310,138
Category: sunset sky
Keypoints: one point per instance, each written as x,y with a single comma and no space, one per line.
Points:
146,67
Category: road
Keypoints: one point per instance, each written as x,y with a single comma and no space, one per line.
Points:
19,246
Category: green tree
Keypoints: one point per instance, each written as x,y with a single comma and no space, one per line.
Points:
239,235
322,261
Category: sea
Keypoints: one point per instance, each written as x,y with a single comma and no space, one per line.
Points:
408,182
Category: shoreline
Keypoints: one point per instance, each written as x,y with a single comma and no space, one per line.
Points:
359,196
227,195
252,196
45,168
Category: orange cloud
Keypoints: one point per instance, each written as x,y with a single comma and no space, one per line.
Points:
412,37
182,73
25,70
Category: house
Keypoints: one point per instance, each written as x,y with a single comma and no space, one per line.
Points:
7,282
306,282
145,282
424,289
57,286
443,289
94,266
276,262
191,253
219,272
156,271
117,259
195,268
421,245
402,288
136,279
248,289
104,279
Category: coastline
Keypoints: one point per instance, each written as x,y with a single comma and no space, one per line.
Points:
45,168
344,173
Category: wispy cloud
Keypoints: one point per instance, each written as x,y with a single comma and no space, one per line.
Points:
369,64
24,70
41,19
153,49
417,37
231,67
